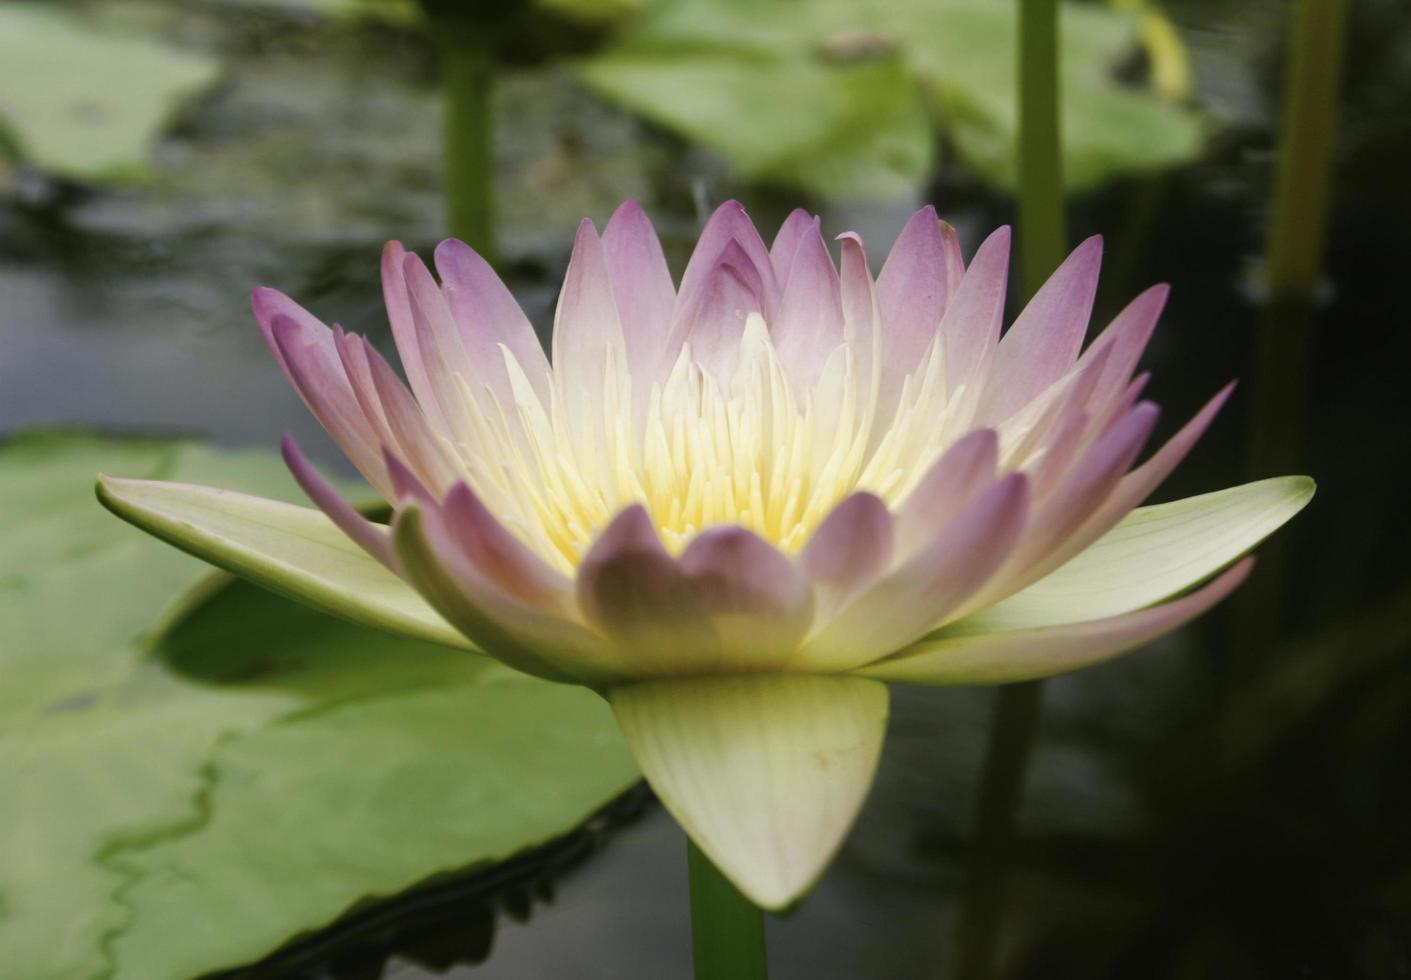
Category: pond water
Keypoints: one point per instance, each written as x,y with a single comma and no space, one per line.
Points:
128,309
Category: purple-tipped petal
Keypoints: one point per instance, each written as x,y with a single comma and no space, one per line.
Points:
912,290
954,480
310,359
545,645
860,315
406,485
729,224
975,312
488,317
411,433
1021,655
438,340
954,258
920,594
850,549
723,304
1079,495
641,284
758,601
587,330
796,226
371,537
636,595
809,325
1123,342
1133,488
500,556
404,331
1044,341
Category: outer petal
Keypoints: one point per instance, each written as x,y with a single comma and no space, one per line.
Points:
1155,553
632,591
1021,655
371,537
489,317
641,285
1124,340
501,557
1044,341
758,601
295,551
907,603
765,772
523,636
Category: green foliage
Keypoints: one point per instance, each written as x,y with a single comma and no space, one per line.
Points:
831,95
181,803
87,104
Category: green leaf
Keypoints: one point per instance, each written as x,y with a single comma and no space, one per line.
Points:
83,103
766,772
121,767
1154,553
295,551
836,131
828,94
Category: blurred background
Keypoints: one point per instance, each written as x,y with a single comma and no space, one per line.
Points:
1234,802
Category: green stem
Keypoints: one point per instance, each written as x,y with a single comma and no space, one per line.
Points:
727,929
1043,242
1300,214
1043,239
467,79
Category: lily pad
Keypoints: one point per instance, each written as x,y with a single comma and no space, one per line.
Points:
83,103
748,80
128,782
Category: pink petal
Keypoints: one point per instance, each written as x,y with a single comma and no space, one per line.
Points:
911,294
860,316
850,549
809,325
406,485
438,341
309,357
722,305
916,597
1133,488
404,332
632,591
729,224
950,484
1021,655
500,556
758,601
1124,340
641,285
1043,343
488,316
371,537
954,260
1080,494
796,226
412,435
975,312
587,331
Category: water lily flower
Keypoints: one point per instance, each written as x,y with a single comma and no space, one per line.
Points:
739,506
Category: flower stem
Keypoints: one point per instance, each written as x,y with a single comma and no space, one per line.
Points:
467,80
1309,127
727,929
1042,237
1043,240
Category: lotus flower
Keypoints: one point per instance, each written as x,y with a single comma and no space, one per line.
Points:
736,508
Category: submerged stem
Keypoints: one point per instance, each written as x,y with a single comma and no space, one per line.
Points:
727,929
